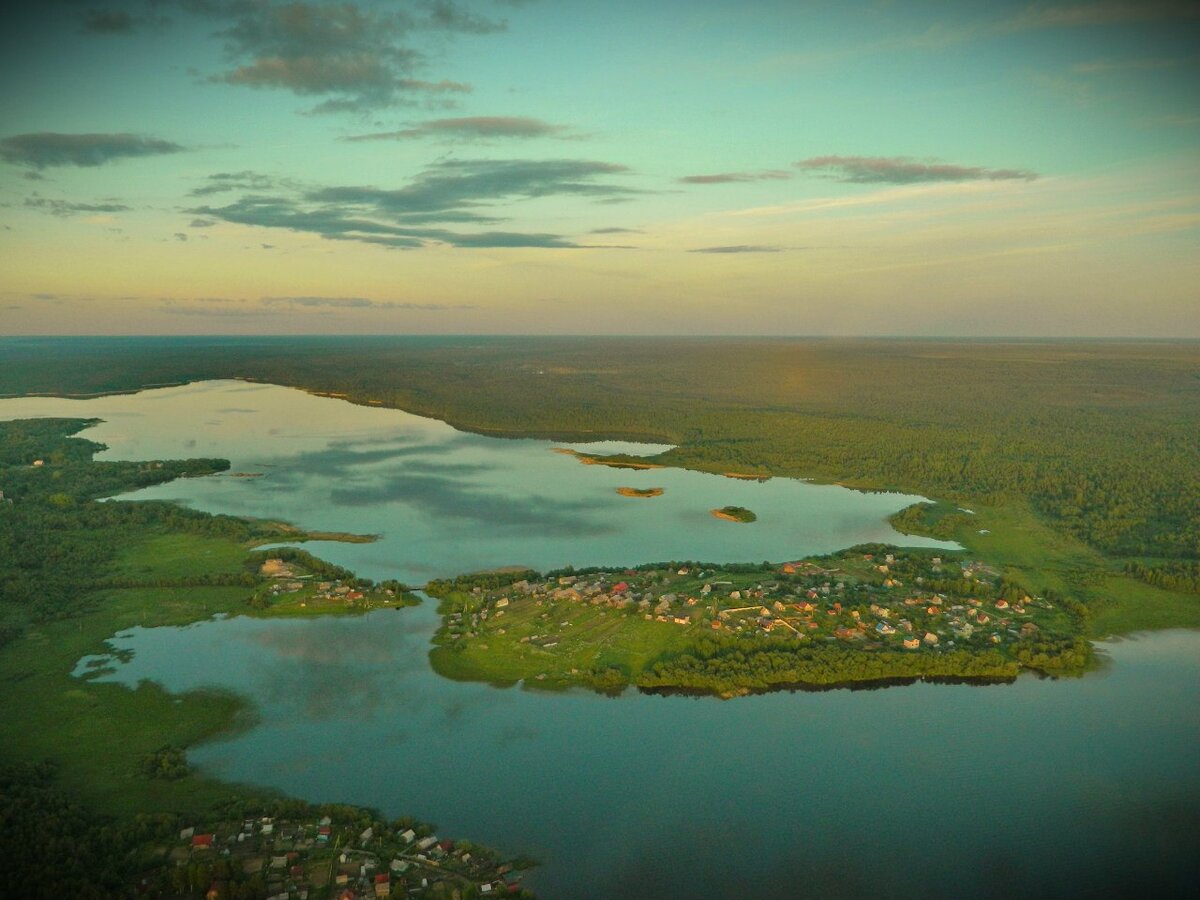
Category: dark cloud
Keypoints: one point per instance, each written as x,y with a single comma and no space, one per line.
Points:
903,170
119,21
471,128
46,149
449,16
738,248
180,236
616,231
357,303
350,55
201,223
65,208
736,177
453,191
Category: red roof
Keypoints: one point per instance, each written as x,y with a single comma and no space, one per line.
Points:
381,879
619,587
202,840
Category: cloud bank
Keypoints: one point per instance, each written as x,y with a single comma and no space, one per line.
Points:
357,58
47,149
471,128
449,192
736,177
903,170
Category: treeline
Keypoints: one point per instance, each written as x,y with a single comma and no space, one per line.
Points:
1174,575
926,519
58,544
488,581
726,665
51,846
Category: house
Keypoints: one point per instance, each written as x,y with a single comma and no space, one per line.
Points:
383,885
930,638
502,602
620,587
911,643
683,619
202,842
366,836
186,834
426,842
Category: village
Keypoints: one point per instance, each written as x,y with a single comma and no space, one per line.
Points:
268,858
292,586
906,601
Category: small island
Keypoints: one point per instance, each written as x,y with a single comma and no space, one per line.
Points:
640,492
735,514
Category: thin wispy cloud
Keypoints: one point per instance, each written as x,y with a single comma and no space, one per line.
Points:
736,177
358,303
903,170
739,248
47,149
120,21
1114,12
471,128
473,192
65,208
222,182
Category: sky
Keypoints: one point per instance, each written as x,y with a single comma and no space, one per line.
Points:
568,166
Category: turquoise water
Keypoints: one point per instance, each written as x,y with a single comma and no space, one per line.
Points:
1086,787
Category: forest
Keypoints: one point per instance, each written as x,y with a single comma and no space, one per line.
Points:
1098,437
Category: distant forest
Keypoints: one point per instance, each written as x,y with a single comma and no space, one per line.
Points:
1100,438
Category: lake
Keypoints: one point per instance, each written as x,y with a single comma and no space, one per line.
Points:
1079,787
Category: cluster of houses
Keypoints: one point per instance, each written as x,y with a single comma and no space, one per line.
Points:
286,860
865,600
286,579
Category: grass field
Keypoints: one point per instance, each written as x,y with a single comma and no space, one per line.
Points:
97,732
591,638
52,715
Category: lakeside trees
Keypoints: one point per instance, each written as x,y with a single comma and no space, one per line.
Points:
1098,437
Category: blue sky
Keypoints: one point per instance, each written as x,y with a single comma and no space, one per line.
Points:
230,166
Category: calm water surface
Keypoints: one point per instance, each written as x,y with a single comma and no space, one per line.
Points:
1039,788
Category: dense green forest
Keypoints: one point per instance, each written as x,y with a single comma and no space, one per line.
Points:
1101,438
